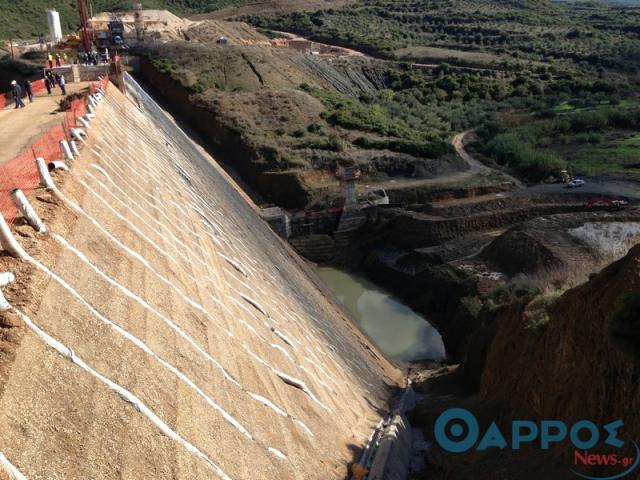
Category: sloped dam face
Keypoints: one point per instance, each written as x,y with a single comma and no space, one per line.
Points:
162,330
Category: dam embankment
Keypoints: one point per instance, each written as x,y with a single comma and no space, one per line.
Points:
160,329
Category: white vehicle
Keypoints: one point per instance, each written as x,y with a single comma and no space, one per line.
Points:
575,183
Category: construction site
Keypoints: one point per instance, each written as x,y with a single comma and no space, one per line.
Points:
162,309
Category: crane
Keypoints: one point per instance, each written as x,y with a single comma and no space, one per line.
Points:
84,22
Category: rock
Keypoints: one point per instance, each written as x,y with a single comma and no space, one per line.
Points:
10,319
25,231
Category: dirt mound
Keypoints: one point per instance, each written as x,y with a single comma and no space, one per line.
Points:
518,251
567,246
569,368
237,33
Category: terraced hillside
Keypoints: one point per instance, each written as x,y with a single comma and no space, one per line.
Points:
161,330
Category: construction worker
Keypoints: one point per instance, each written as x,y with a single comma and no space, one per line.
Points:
57,59
17,94
65,57
50,59
62,83
48,82
28,88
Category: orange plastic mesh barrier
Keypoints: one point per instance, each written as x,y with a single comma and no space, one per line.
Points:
21,172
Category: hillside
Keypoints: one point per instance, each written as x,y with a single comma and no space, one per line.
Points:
26,19
511,31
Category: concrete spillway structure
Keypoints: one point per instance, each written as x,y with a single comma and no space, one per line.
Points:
161,330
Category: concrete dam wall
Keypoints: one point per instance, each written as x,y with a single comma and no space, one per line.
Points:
161,330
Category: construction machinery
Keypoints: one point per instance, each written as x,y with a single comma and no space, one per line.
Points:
606,203
85,29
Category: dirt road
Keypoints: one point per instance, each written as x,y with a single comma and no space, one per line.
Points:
476,170
19,128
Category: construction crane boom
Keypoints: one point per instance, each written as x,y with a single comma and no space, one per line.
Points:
84,22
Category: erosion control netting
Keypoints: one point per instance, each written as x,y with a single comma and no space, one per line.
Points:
201,177
21,171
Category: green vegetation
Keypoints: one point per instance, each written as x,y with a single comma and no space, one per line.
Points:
535,314
165,65
548,87
624,324
28,19
593,36
593,142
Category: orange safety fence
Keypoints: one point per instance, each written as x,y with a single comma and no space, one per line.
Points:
7,98
21,171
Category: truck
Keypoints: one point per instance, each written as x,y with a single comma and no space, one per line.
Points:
116,31
102,38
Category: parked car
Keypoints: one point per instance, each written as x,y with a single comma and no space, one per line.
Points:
575,183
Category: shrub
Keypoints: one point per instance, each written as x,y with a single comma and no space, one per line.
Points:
314,128
425,149
623,326
536,165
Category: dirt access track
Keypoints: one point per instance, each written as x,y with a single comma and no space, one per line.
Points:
161,330
19,128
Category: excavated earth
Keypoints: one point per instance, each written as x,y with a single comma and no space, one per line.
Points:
161,330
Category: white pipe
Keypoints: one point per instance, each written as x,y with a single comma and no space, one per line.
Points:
66,150
57,165
4,304
90,106
8,242
10,469
45,179
83,122
125,394
6,278
74,148
24,207
77,134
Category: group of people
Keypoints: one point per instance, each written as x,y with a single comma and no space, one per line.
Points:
58,59
17,92
91,58
50,81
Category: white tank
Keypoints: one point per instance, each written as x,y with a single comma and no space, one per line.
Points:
55,29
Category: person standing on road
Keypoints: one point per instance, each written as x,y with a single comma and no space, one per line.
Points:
17,94
47,83
61,82
28,88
